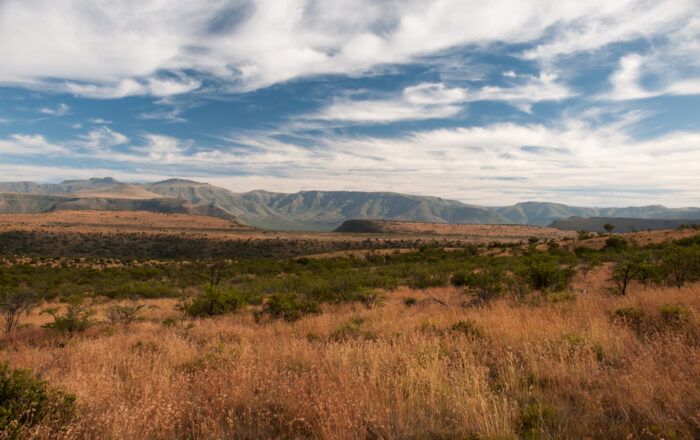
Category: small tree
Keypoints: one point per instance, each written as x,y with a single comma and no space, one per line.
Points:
76,318
486,284
623,272
15,302
609,228
125,314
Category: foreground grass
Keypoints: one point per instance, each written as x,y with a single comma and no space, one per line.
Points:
554,370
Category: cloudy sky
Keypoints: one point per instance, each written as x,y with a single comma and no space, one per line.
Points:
582,102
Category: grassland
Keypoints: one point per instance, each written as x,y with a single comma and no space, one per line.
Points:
500,340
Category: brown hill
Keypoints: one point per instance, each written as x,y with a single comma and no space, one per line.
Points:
121,191
90,221
481,231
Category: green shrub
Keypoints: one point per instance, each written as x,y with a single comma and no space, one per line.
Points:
410,301
423,279
615,243
213,302
289,307
487,284
561,296
466,327
536,422
630,316
676,315
544,272
680,265
354,328
26,400
76,318
459,279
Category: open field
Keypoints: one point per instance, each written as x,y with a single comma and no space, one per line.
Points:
434,338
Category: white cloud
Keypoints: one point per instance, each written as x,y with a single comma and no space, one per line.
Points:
131,87
423,101
103,138
106,49
523,94
626,81
61,110
435,100
99,121
31,145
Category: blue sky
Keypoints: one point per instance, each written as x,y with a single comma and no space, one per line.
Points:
585,103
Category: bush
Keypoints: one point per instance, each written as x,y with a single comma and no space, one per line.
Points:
675,315
630,316
410,301
76,318
536,422
125,314
544,272
26,400
487,284
289,307
466,327
352,329
214,301
615,243
680,265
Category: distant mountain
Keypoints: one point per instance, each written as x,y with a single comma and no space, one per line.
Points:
67,186
596,224
323,210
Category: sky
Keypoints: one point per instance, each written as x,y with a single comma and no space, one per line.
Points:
593,103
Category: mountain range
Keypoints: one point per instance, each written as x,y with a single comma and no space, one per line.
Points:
304,210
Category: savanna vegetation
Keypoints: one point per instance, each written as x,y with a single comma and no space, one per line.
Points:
531,340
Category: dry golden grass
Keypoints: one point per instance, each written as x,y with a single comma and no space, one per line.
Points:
399,372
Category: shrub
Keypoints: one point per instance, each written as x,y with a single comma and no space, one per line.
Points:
487,284
26,400
615,243
423,279
535,422
675,315
680,265
544,272
410,301
466,327
370,298
125,314
459,279
76,318
289,307
352,329
630,316
214,301
561,296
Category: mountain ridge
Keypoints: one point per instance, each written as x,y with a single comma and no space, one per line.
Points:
326,210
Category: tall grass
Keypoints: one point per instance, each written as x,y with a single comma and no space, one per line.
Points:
554,370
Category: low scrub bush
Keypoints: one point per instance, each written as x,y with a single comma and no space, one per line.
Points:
26,400
289,307
467,327
544,272
630,316
487,284
214,301
76,318
355,328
